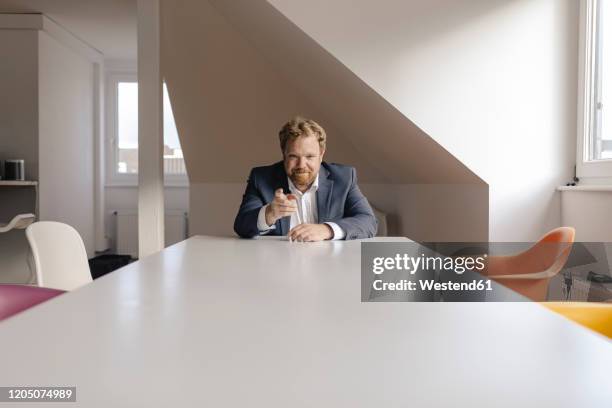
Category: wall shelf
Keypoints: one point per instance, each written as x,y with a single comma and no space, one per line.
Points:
17,183
24,183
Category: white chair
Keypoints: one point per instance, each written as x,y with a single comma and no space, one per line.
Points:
59,255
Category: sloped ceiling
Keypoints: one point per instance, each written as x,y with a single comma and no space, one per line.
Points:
229,102
237,70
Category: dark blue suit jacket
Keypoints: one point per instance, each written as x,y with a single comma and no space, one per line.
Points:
339,200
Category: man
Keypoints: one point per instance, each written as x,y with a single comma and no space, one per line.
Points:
303,196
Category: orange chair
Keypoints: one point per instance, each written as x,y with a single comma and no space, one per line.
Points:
529,272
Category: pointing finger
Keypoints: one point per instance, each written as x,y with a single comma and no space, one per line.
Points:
286,203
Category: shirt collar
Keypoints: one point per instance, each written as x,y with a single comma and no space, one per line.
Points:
313,187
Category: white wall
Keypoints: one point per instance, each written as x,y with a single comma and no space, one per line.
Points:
18,140
66,138
493,81
18,98
588,210
46,118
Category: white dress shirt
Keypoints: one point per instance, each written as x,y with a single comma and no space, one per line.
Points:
307,212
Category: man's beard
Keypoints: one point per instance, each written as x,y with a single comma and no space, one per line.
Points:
302,178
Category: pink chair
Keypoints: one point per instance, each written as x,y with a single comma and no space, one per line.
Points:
16,298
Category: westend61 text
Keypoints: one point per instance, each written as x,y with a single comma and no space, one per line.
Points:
430,284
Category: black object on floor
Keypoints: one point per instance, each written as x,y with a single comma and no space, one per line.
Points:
103,264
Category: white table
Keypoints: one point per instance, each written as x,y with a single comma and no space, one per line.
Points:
224,322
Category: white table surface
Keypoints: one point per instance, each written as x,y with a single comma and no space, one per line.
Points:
225,322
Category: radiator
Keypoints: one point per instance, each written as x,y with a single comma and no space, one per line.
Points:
126,230
587,209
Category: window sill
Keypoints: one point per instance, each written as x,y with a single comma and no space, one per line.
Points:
591,188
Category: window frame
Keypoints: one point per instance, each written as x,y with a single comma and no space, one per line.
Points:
586,167
114,76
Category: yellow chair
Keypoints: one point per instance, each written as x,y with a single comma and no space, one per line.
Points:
595,316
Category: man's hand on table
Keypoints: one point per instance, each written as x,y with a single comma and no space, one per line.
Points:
311,232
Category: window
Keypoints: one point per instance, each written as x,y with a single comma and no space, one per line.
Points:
122,146
595,113
602,84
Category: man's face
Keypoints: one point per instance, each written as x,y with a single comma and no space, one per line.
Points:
302,160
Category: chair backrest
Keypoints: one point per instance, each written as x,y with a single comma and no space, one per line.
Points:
529,272
381,218
550,252
16,298
59,255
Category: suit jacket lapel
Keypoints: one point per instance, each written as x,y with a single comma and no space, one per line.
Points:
324,194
